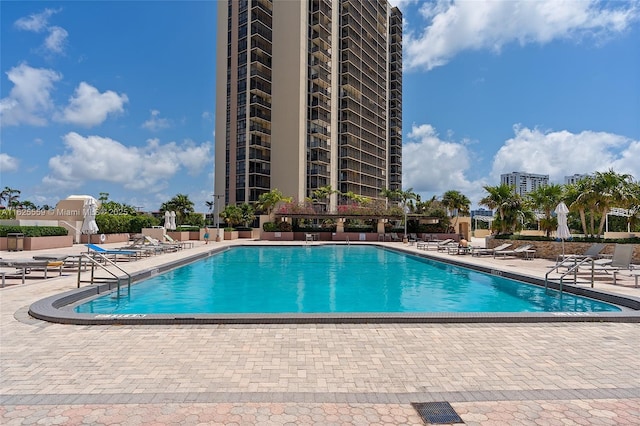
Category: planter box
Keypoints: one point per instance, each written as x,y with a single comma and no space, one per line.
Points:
276,236
230,235
179,235
195,235
43,243
253,234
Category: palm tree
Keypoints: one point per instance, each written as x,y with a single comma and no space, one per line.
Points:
457,202
390,195
320,195
405,197
181,204
247,214
268,201
545,199
615,190
10,195
232,215
634,205
499,199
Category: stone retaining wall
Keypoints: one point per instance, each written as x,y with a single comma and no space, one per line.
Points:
551,249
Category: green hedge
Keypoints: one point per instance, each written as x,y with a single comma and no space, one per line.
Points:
34,231
123,223
635,240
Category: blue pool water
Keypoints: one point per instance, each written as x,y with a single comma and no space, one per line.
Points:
333,278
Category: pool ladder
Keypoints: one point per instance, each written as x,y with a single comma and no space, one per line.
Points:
95,260
572,270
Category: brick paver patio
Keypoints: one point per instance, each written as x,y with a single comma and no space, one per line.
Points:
492,374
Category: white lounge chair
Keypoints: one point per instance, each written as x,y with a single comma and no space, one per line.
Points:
526,250
490,251
621,260
428,245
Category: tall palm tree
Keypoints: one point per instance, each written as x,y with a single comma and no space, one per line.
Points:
405,198
390,195
614,189
181,204
499,199
456,202
545,199
10,195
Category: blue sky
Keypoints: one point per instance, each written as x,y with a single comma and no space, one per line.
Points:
118,96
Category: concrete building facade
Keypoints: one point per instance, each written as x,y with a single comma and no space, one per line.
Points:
308,95
523,183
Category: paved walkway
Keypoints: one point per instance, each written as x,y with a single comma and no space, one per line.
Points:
492,374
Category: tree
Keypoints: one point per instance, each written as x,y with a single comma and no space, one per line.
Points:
10,195
268,201
232,215
511,208
615,190
356,198
181,204
545,199
456,202
247,214
390,195
104,196
498,199
405,197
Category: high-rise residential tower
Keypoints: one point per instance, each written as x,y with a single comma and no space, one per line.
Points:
308,94
524,183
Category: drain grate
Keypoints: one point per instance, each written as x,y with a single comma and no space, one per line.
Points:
436,413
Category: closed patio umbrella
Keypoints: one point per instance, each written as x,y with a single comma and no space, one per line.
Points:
89,225
563,230
173,220
167,220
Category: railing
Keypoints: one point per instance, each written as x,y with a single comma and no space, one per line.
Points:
95,263
573,269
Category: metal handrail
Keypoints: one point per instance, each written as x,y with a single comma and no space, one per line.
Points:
573,269
94,263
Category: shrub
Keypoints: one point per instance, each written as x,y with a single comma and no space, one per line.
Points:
269,227
34,231
285,227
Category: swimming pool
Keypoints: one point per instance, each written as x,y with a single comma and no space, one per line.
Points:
331,279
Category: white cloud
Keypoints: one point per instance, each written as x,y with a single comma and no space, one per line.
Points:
562,153
30,97
88,107
456,26
8,163
431,165
56,39
146,168
155,123
36,22
39,22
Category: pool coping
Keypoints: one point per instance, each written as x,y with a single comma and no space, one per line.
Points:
56,308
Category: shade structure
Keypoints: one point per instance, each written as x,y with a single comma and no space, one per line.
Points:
173,220
563,230
89,210
167,220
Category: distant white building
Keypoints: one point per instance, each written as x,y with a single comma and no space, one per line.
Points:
570,180
524,183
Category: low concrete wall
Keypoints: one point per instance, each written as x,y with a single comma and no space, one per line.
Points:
41,243
179,235
157,233
276,236
253,234
552,249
